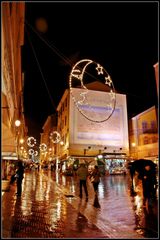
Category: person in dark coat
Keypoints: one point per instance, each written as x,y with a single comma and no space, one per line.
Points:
12,179
19,176
95,179
149,183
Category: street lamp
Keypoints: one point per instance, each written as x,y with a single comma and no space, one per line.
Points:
17,124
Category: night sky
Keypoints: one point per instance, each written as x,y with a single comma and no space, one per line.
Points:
122,37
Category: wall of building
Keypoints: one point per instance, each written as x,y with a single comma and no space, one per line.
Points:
143,131
63,124
156,68
49,126
85,138
13,14
112,133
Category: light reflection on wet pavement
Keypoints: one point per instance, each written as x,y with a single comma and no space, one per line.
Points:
119,209
50,208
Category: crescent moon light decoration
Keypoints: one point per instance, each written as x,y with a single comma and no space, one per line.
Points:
31,141
35,153
86,102
43,147
55,137
31,152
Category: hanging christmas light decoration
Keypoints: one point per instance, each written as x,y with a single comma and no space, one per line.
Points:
35,153
31,141
55,137
43,147
31,151
93,106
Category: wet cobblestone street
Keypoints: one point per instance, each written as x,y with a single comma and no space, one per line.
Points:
43,212
50,208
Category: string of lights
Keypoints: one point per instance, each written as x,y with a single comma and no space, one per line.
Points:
51,46
79,76
68,61
111,100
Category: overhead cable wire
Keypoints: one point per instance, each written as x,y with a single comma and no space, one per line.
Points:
66,59
40,70
57,51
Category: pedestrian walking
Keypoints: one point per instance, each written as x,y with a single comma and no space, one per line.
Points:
95,179
19,177
149,183
82,173
12,173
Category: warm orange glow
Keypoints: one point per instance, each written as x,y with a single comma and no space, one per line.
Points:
17,123
21,140
133,144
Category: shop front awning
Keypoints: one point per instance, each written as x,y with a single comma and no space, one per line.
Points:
9,158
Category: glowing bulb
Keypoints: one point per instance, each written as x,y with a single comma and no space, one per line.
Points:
17,123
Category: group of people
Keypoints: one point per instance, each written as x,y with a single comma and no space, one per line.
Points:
147,176
83,175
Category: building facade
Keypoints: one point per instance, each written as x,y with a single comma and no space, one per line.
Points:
49,155
13,14
156,69
84,139
143,135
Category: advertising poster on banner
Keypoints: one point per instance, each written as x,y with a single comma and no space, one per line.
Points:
112,132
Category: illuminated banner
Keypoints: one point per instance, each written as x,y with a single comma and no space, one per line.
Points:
113,132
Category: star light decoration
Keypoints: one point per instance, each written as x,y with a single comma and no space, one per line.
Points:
31,141
77,73
99,69
55,137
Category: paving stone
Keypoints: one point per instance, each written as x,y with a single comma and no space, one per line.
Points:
49,210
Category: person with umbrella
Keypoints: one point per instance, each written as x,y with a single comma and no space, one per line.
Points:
147,174
139,167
